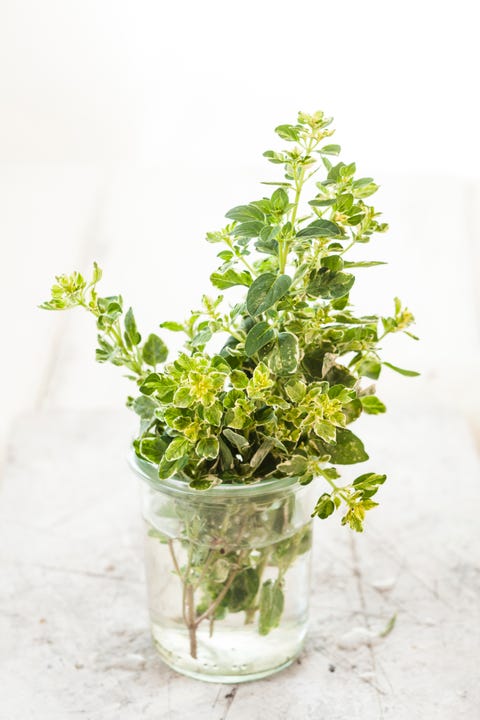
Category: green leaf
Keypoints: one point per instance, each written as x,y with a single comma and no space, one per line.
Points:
107,352
225,455
275,157
259,336
279,200
325,430
111,304
250,229
261,453
201,338
284,357
182,398
354,518
324,507
369,366
225,255
322,202
330,284
154,351
276,183
132,336
145,407
97,273
321,228
271,606
288,132
348,449
364,187
243,590
267,243
240,442
372,405
245,213
295,465
265,291
149,384
213,414
295,390
408,373
344,203
332,262
208,448
239,379
352,411
221,570
167,468
363,264
339,375
163,385
152,448
326,162
355,217
330,150
369,481
230,278
173,326
178,448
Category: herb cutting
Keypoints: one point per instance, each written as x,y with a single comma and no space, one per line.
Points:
257,410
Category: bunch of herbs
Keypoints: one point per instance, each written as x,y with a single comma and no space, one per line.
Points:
269,386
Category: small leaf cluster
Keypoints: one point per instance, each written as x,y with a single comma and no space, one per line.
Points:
119,340
269,385
357,497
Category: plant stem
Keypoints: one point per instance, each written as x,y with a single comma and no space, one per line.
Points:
283,246
180,576
224,591
133,359
240,257
208,562
174,559
233,333
192,625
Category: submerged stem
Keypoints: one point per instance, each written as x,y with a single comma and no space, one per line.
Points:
192,625
213,607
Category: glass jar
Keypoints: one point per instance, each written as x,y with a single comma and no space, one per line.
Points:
228,574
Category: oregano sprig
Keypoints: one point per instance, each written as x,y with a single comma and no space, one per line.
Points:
267,386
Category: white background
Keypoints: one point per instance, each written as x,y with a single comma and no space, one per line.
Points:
128,128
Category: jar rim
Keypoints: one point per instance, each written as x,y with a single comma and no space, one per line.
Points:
177,486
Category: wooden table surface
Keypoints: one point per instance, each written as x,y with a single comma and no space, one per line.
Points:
74,629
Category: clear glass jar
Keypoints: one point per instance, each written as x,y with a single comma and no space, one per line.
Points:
228,574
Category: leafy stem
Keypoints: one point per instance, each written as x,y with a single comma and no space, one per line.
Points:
278,397
299,181
240,256
281,392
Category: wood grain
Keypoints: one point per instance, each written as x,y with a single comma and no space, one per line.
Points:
74,635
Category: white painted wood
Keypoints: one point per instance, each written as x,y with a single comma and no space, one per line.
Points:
74,639
47,217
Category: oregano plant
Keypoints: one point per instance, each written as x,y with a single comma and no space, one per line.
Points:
268,386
